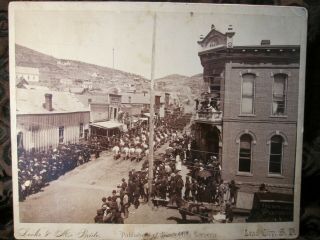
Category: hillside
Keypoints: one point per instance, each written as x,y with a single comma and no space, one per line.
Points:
186,86
52,70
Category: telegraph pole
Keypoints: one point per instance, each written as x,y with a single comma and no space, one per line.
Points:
113,58
151,119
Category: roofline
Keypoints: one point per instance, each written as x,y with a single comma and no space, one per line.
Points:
268,46
51,113
135,103
251,47
98,103
211,30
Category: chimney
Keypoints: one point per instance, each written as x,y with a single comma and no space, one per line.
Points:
230,28
212,26
230,33
201,37
48,101
265,42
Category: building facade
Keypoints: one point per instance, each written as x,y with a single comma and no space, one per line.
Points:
114,106
253,128
87,84
27,73
98,106
47,119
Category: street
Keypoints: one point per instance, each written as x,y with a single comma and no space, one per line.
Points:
75,197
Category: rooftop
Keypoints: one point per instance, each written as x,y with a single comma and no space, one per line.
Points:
100,99
217,42
30,101
136,98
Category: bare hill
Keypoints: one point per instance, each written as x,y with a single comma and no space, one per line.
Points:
184,85
53,69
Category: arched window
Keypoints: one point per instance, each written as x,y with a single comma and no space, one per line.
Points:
276,154
247,93
279,94
245,153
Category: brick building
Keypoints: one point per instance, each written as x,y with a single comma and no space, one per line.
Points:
253,127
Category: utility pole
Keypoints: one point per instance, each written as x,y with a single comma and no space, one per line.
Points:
113,58
151,119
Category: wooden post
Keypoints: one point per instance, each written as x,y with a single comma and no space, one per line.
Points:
151,122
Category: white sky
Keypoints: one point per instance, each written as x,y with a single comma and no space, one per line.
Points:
90,36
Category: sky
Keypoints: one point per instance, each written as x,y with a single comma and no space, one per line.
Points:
90,35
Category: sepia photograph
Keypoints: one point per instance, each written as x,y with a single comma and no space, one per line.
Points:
140,114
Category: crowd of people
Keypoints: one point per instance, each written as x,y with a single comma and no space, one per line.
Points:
202,184
207,104
169,188
134,146
37,169
168,185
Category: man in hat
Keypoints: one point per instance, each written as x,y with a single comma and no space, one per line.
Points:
115,208
233,192
194,188
104,202
125,204
124,185
136,193
179,185
187,188
99,217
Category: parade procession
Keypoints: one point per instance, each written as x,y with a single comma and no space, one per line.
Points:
192,186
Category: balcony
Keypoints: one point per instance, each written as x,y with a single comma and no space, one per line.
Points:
208,116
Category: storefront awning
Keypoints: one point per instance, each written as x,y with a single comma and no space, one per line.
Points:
108,125
148,115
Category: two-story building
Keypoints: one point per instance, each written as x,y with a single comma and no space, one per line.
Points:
98,106
104,113
253,126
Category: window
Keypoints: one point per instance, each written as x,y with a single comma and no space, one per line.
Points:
20,140
247,93
275,161
81,130
279,94
212,44
245,153
61,134
115,113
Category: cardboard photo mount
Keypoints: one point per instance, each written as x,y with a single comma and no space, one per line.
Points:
264,42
